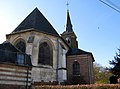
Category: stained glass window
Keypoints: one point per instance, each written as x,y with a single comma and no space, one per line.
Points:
45,54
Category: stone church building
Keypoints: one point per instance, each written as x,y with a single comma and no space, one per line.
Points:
54,57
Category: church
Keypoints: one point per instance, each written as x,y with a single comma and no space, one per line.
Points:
53,57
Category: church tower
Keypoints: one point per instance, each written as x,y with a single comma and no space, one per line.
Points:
68,35
79,62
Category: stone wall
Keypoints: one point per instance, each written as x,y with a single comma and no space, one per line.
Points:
41,72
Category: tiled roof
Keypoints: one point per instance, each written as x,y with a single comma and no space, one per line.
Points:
37,21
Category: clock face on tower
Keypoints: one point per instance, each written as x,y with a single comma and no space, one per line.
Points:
68,40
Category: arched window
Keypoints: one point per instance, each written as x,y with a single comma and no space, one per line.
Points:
20,44
45,54
76,68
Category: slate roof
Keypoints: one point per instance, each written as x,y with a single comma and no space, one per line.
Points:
37,21
76,51
8,54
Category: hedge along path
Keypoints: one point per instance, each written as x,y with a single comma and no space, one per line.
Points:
92,86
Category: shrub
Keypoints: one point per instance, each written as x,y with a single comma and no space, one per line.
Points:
93,86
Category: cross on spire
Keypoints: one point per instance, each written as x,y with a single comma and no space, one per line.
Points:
67,5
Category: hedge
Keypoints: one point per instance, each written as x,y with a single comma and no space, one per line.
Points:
94,86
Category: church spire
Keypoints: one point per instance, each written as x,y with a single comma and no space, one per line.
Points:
68,35
68,24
